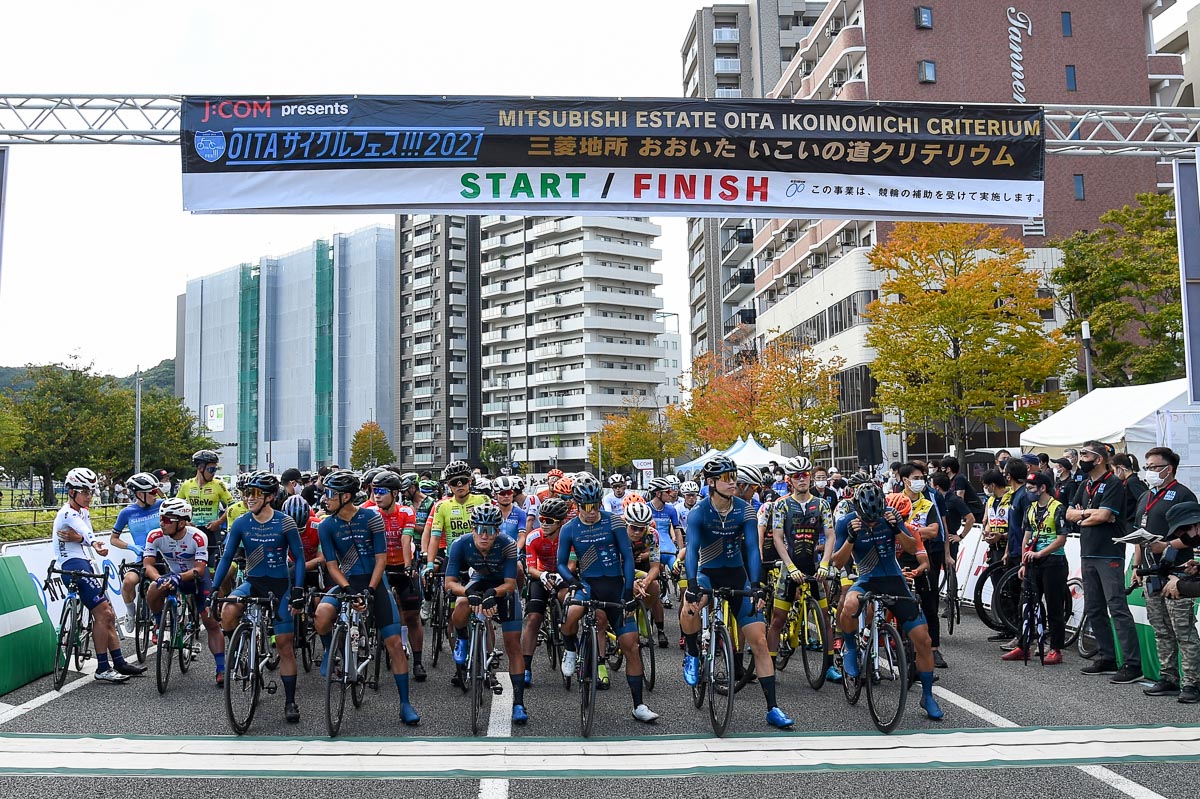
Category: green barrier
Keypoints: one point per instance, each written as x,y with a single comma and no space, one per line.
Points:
27,640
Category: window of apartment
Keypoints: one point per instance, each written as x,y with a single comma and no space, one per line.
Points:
785,23
1047,313
927,72
1070,77
1079,195
1066,23
924,15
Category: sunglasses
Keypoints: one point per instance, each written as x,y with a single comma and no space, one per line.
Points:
504,493
800,474
379,492
549,520
253,493
487,531
636,528
460,481
171,519
731,476
330,493
1089,452
88,491
588,507
210,468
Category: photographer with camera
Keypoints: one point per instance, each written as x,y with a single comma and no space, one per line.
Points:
1159,512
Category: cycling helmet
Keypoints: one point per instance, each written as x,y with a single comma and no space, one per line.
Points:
901,503
562,486
389,480
672,481
689,487
554,508
342,481
869,502
264,481
408,480
859,479
749,475
297,507
518,484
718,465
481,485
639,513
176,506
632,498
553,475
587,490
142,481
487,515
617,479
81,477
428,486
656,485
797,464
239,482
368,476
503,483
456,469
205,456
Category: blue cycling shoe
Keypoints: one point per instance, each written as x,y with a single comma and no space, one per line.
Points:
777,718
519,714
932,708
528,678
409,715
325,664
850,662
460,652
832,674
691,669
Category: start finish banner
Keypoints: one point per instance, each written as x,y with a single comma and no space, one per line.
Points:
720,158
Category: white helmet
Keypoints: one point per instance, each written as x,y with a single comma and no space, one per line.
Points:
673,481
639,513
689,487
797,464
176,506
617,479
81,477
504,483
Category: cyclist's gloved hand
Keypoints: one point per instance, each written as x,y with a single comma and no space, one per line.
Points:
489,600
823,571
475,600
439,562
693,594
297,597
370,592
575,585
759,593
795,574
631,604
427,569
138,552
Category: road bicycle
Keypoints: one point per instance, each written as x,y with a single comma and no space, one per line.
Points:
550,633
808,630
952,610
645,631
306,637
480,665
354,648
989,594
439,615
75,622
246,659
1012,617
717,678
142,621
587,664
178,635
882,663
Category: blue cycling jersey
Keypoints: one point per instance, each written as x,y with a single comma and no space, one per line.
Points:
601,549
497,564
138,520
665,519
353,544
514,524
874,550
716,541
267,545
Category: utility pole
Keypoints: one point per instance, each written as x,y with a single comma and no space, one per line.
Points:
1086,335
371,441
137,419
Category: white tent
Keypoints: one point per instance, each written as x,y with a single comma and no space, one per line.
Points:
695,463
750,452
1131,418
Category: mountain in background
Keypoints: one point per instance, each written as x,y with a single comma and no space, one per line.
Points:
160,377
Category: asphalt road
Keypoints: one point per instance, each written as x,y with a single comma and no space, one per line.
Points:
1025,695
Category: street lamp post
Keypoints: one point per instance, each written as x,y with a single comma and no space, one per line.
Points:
1086,335
137,420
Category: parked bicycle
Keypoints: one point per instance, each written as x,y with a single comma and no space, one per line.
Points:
75,621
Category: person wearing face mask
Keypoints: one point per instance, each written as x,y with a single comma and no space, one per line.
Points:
822,486
1097,509
925,522
1125,466
1062,470
1173,620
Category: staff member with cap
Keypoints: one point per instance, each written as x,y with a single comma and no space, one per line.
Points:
1184,521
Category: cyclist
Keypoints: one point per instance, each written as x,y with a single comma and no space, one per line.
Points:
1043,566
185,551
487,560
417,498
612,500
209,498
354,542
670,532
547,490
268,536
689,495
924,521
73,542
452,517
643,538
306,522
749,480
722,552
995,524
139,518
802,530
399,522
604,559
239,507
541,553
515,519
869,535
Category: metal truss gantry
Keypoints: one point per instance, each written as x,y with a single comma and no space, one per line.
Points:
154,119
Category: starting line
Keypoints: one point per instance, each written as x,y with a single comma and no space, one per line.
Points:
556,758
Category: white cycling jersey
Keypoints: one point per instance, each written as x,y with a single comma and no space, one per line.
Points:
180,555
81,522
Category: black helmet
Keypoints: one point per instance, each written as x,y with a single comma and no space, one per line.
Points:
205,456
298,508
342,481
456,469
869,502
554,508
718,465
389,480
368,477
264,481
859,479
587,490
408,480
487,515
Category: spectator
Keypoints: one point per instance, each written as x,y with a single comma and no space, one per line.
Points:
1064,480
1097,510
1077,475
1043,565
960,486
1003,456
1044,466
1173,620
1184,521
924,520
958,516
1125,466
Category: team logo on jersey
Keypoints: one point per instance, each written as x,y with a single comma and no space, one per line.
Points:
210,144
1170,495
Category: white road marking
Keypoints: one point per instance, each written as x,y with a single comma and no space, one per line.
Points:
1132,789
8,712
499,726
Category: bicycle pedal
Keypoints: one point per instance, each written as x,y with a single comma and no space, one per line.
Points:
271,687
497,689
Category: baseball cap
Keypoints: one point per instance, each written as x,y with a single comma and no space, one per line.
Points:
1038,479
290,474
1063,462
1030,457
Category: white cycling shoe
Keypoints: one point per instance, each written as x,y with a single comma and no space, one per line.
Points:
568,663
644,714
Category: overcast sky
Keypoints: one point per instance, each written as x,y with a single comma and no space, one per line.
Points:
96,246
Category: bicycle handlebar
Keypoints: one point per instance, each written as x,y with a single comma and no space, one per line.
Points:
51,571
267,601
595,604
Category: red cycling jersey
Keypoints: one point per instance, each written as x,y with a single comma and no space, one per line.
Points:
395,523
541,552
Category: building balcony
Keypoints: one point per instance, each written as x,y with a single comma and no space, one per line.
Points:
727,66
422,305
458,390
498,360
423,349
542,228
423,458
726,36
548,376
424,370
549,402
737,246
739,286
497,220
493,266
649,301
548,351
422,436
503,287
422,392
495,407
423,414
422,283
745,316
423,327
728,92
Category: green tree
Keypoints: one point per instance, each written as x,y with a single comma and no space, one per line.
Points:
1123,278
370,447
639,431
957,331
800,393
494,455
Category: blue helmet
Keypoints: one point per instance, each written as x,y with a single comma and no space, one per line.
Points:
587,490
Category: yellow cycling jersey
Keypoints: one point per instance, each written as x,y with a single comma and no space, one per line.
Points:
206,502
235,510
452,518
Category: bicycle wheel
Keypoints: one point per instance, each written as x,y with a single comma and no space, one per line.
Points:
437,621
589,675
167,625
851,686
720,685
646,650
67,633
699,689
1086,641
952,610
887,682
381,654
550,627
613,654
815,638
1006,602
242,684
141,626
82,636
189,635
984,590
476,656
1073,612
358,674
335,681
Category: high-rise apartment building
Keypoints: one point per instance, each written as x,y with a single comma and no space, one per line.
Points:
570,330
